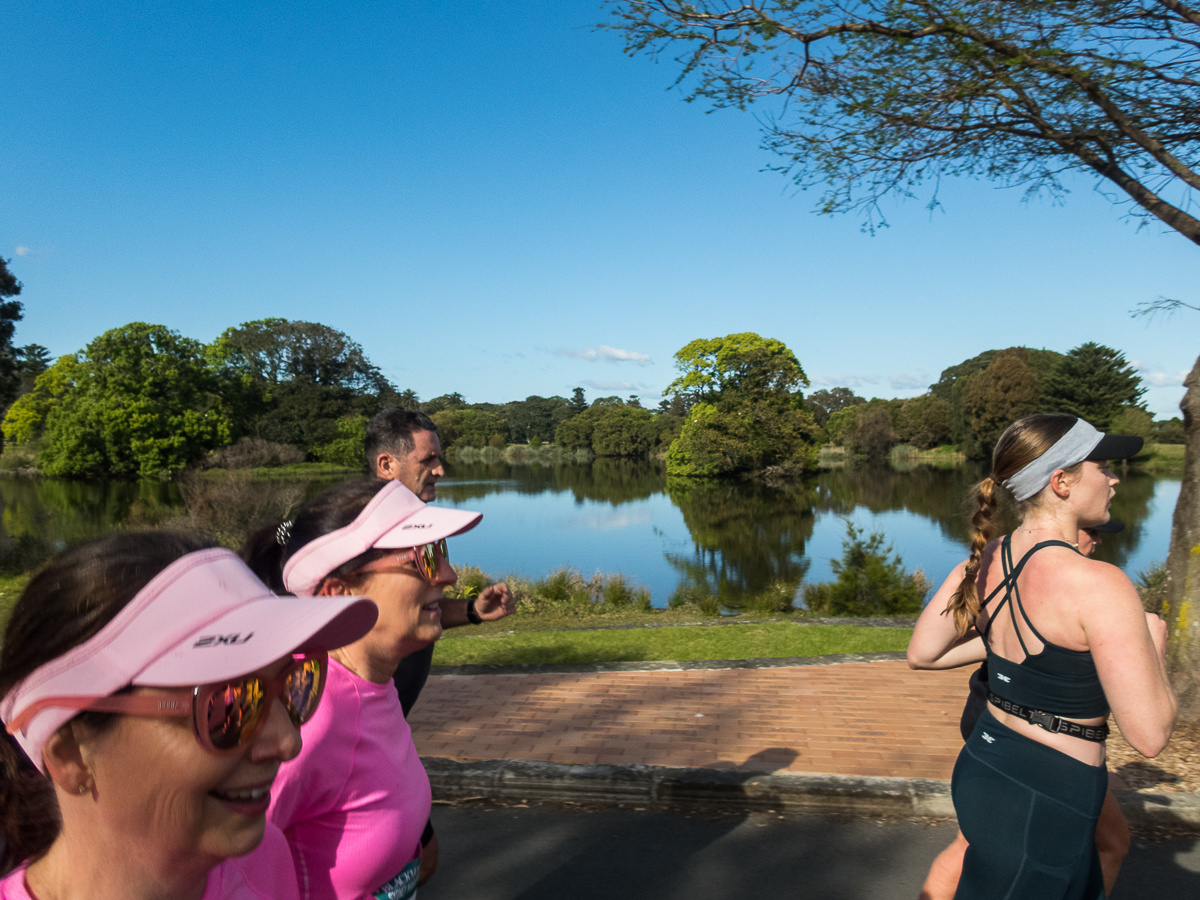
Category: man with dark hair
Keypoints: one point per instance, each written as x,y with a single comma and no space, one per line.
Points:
402,445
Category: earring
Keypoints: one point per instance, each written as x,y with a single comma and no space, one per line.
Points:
83,789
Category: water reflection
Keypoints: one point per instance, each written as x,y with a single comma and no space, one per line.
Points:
40,516
723,538
746,536
612,481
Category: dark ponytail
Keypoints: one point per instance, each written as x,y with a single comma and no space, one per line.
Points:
267,551
67,602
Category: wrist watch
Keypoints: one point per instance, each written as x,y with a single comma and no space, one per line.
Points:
473,617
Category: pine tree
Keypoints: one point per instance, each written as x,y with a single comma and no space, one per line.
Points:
1093,382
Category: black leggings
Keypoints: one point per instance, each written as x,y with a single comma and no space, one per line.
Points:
1029,813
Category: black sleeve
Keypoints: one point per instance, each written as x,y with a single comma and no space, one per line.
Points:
411,675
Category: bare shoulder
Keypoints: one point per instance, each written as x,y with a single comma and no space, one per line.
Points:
1097,589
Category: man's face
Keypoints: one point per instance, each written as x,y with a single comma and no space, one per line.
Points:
421,468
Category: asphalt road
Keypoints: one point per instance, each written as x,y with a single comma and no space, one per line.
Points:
540,853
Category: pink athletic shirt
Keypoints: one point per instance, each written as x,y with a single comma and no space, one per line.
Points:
353,804
264,873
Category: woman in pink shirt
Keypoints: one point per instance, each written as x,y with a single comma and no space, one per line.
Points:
151,687
355,801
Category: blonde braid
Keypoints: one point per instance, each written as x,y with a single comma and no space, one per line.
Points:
964,604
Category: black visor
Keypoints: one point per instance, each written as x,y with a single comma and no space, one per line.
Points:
1116,446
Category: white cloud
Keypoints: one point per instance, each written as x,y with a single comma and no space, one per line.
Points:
607,354
850,381
916,382
1164,379
23,251
614,385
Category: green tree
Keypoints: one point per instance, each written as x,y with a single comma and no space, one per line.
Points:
27,416
870,581
144,401
576,432
878,96
32,361
841,422
1093,382
462,427
994,398
1135,420
306,415
735,364
625,431
445,401
536,417
275,351
924,422
11,312
953,382
408,399
871,433
347,448
744,434
1170,431
744,410
824,403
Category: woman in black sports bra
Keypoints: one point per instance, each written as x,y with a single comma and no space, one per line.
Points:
1066,638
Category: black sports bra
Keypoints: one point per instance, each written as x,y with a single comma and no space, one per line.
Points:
1056,680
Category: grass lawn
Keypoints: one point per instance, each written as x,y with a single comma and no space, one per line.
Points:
1161,459
676,643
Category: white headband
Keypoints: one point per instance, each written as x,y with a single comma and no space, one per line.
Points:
1073,447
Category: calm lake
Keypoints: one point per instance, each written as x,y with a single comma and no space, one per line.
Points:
626,516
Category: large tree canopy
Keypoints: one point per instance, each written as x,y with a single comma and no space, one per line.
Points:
745,413
736,363
275,351
880,95
141,401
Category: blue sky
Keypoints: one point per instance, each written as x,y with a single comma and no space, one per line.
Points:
492,199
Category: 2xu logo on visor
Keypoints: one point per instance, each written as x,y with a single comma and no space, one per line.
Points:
217,640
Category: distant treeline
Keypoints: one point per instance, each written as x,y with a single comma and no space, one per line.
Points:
143,400
974,401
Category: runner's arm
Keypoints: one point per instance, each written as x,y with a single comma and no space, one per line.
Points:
936,643
1128,647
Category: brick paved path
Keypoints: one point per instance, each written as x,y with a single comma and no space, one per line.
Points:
876,718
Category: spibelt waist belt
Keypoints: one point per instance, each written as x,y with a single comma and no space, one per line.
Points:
1053,724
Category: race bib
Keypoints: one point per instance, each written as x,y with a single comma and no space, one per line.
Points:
404,885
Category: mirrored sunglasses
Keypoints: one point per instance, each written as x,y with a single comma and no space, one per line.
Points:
224,716
425,557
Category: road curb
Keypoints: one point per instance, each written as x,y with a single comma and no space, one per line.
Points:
649,786
528,781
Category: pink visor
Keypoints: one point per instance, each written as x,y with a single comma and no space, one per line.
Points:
206,618
395,518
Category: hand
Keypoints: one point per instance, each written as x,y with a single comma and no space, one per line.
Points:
495,602
1158,633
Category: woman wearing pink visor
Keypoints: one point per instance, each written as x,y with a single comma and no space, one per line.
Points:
151,687
355,801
